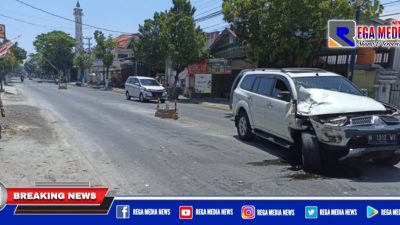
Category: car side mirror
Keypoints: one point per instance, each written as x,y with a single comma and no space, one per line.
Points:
364,91
137,84
284,96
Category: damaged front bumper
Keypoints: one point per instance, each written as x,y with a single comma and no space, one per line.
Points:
366,136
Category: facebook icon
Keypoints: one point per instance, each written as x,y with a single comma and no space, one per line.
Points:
123,212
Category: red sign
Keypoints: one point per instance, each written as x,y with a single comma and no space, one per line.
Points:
56,196
198,68
185,212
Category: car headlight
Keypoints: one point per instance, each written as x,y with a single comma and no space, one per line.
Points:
340,121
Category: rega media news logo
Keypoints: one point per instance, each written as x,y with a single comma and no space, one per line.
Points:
341,34
348,34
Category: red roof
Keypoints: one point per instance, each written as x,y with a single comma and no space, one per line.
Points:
124,40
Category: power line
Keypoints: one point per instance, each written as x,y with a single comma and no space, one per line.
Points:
209,16
205,12
389,3
392,14
64,18
392,11
205,4
33,24
214,25
213,4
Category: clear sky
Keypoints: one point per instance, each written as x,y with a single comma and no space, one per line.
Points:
121,15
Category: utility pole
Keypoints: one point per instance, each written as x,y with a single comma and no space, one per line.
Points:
89,39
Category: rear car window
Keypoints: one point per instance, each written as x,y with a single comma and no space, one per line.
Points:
247,82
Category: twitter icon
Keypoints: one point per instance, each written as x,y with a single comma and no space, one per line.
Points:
311,212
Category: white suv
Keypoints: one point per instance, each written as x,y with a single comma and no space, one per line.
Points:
319,113
144,88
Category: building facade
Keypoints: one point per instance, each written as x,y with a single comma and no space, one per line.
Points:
124,64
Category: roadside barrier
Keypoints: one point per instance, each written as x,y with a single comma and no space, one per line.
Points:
166,113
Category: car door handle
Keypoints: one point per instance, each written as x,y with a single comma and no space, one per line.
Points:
270,106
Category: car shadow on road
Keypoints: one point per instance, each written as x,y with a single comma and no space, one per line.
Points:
355,170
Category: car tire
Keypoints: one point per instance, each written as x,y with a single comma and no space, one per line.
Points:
387,161
243,127
128,97
141,98
311,155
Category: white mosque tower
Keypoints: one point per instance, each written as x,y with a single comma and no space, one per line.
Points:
78,27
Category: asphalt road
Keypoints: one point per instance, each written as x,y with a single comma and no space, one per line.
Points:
135,153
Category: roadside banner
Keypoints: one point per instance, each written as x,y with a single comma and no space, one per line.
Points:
2,31
6,47
203,83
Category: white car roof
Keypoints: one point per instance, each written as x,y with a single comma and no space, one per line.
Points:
292,73
141,77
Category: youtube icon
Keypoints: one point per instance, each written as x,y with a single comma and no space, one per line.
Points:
185,212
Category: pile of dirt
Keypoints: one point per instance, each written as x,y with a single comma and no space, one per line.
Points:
26,121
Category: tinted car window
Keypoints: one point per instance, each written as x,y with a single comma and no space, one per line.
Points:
255,85
265,86
247,82
135,81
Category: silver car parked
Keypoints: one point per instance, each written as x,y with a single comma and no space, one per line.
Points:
145,89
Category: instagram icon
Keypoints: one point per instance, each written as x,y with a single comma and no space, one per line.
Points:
248,212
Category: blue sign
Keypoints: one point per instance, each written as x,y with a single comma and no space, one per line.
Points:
228,210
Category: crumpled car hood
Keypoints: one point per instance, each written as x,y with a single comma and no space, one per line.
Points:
314,102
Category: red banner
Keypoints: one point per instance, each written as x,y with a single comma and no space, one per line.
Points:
198,68
56,196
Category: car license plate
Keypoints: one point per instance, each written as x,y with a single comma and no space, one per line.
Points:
382,139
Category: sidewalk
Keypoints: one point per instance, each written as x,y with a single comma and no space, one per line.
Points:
214,103
9,90
36,147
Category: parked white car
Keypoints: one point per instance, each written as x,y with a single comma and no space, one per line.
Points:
319,113
145,89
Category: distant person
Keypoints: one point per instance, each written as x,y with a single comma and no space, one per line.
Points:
22,78
2,108
2,114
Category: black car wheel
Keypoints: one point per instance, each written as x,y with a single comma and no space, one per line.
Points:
310,152
388,161
244,128
128,97
141,98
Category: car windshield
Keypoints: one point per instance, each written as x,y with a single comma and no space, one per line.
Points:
331,83
149,82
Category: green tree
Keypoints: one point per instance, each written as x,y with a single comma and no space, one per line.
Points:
183,42
83,60
104,50
10,61
32,66
284,33
149,47
56,50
